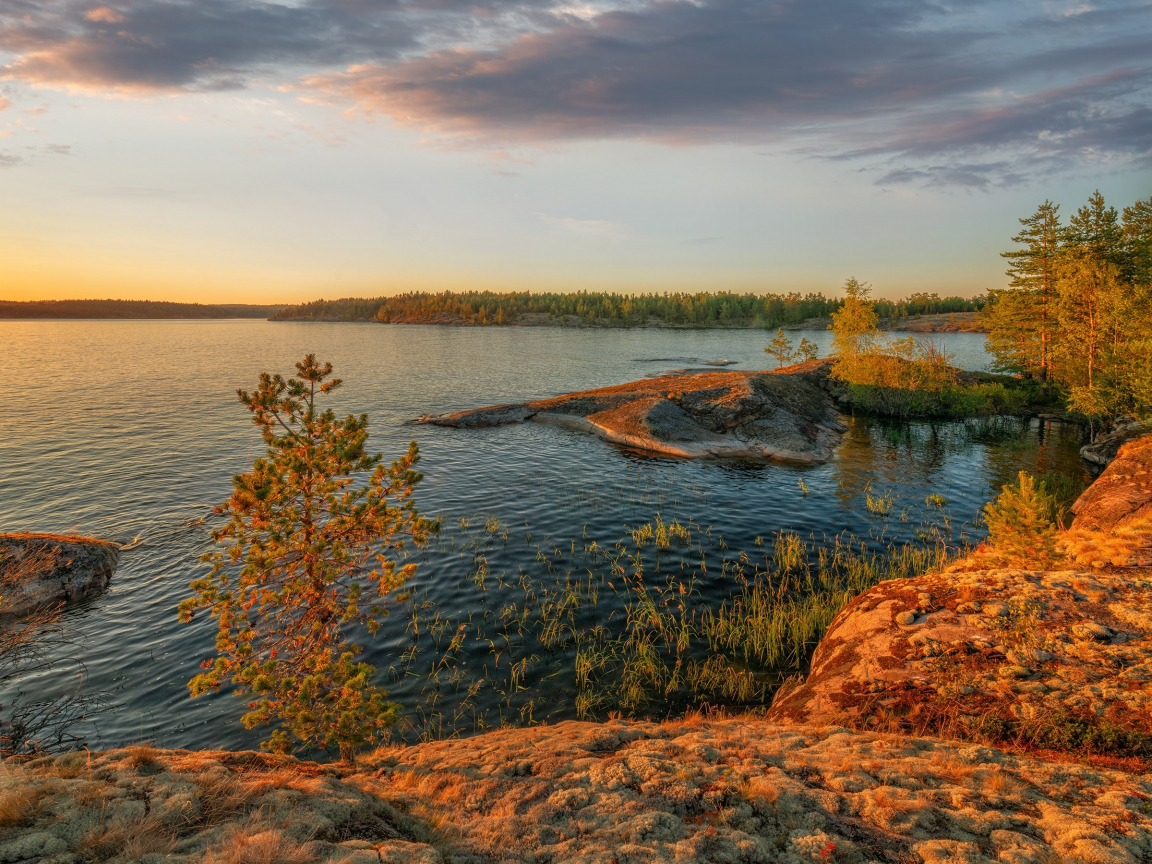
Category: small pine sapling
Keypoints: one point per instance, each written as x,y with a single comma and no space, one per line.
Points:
1021,523
780,347
310,553
808,350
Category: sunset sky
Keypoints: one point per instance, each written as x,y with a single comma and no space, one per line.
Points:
246,151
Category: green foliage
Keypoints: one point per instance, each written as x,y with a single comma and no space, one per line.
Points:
780,347
704,309
1084,733
1022,523
807,350
309,554
1021,320
855,328
1078,308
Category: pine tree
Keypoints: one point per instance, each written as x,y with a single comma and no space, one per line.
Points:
1137,228
1092,323
780,347
1020,319
310,553
808,350
1095,231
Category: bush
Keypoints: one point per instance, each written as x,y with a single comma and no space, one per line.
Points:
951,402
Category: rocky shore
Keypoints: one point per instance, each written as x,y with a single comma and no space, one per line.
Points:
786,414
990,712
701,790
41,570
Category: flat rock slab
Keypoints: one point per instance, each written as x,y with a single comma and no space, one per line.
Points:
784,414
38,570
743,790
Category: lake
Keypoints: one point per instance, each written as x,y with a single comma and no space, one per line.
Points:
131,431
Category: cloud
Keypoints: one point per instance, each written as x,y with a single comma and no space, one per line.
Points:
104,14
5,103
969,94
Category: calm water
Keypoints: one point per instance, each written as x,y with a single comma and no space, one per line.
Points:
131,431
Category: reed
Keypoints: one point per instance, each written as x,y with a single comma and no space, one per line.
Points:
665,620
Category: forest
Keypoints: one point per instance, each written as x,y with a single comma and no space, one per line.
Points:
703,309
1077,311
136,309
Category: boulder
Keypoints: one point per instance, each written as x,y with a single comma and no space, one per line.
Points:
38,570
1106,445
783,414
1123,493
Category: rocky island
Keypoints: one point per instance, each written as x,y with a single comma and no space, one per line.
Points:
786,414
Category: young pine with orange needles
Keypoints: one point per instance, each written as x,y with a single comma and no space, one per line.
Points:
310,553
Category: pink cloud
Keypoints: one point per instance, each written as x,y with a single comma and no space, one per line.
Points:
104,14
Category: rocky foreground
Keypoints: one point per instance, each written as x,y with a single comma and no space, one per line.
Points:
731,790
787,414
882,755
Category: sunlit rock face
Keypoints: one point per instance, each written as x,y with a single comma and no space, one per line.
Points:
1050,655
785,414
698,791
39,570
1123,493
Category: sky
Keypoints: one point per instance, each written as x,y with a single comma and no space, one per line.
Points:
249,151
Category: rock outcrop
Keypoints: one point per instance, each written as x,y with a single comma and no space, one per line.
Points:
700,791
783,415
38,570
967,652
1123,493
148,805
1107,444
1055,656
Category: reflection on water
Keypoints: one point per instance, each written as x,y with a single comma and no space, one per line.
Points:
131,431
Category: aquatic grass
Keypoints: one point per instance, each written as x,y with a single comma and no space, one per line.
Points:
664,620
879,505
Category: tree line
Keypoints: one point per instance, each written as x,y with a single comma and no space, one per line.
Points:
135,309
1079,305
702,309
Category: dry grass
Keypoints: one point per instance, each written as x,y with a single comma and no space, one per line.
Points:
883,799
258,843
1117,547
19,806
142,755
952,767
221,796
127,841
760,791
999,782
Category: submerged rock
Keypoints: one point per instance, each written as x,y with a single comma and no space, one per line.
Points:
38,570
784,414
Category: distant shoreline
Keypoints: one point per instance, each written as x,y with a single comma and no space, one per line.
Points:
131,310
956,322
